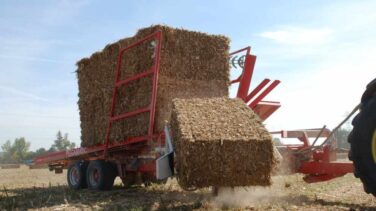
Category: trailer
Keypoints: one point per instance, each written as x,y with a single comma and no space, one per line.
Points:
150,157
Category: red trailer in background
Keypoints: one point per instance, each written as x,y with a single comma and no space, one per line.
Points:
149,158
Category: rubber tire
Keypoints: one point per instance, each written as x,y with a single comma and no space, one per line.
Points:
370,90
81,166
107,174
360,140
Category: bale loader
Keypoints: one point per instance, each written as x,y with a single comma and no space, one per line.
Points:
134,161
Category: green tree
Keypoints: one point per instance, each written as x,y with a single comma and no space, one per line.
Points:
16,151
341,136
62,143
38,152
8,151
21,148
277,141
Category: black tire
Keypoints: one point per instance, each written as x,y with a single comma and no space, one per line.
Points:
361,138
76,175
100,175
370,91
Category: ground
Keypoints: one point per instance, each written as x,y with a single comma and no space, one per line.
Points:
34,189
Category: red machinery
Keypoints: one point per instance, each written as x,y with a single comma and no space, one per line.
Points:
318,162
135,157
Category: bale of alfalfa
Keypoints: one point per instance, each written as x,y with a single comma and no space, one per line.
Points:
220,142
192,64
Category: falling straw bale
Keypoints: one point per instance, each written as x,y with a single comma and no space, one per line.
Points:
220,142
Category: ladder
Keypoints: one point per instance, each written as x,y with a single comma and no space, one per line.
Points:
154,72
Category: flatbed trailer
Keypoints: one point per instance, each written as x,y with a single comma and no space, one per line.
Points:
149,157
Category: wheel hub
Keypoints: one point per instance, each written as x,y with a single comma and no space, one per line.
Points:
74,176
94,177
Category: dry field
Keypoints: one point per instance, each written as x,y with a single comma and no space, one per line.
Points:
39,189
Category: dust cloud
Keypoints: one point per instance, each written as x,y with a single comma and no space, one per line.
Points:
250,196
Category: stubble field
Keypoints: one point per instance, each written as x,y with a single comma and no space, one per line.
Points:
39,189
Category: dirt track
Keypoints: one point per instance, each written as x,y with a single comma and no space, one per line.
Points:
40,189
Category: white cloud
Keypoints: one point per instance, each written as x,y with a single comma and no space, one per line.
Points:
299,36
323,93
324,70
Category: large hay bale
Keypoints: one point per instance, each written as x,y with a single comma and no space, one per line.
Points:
192,64
220,142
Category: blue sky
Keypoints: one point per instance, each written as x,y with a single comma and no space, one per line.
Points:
322,51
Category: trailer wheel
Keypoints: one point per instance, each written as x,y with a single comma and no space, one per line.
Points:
100,175
362,140
76,175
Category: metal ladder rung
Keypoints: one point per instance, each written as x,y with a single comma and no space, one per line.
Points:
129,114
133,78
152,71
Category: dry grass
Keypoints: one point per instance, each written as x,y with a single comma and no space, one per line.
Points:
43,190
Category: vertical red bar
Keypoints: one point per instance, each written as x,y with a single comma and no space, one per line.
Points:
117,77
155,36
155,83
246,78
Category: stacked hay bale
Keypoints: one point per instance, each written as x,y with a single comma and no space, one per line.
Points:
192,64
220,142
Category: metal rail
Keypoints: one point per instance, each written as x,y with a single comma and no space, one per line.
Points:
154,71
355,109
264,110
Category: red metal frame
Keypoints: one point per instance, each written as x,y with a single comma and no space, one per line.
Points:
117,150
151,107
264,109
318,164
128,146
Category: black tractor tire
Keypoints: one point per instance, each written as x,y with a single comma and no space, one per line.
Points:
361,138
370,91
76,175
100,175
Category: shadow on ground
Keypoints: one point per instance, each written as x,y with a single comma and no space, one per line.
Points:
140,198
135,198
323,204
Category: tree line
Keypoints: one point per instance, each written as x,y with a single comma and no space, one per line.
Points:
18,151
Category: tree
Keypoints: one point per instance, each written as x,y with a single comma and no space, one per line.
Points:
341,136
8,151
21,148
31,155
40,151
61,143
277,141
16,151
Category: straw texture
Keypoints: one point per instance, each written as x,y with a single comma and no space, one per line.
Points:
220,142
192,64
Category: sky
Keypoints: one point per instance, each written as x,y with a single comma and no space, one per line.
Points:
322,51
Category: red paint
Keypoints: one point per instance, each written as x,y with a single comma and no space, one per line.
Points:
154,71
